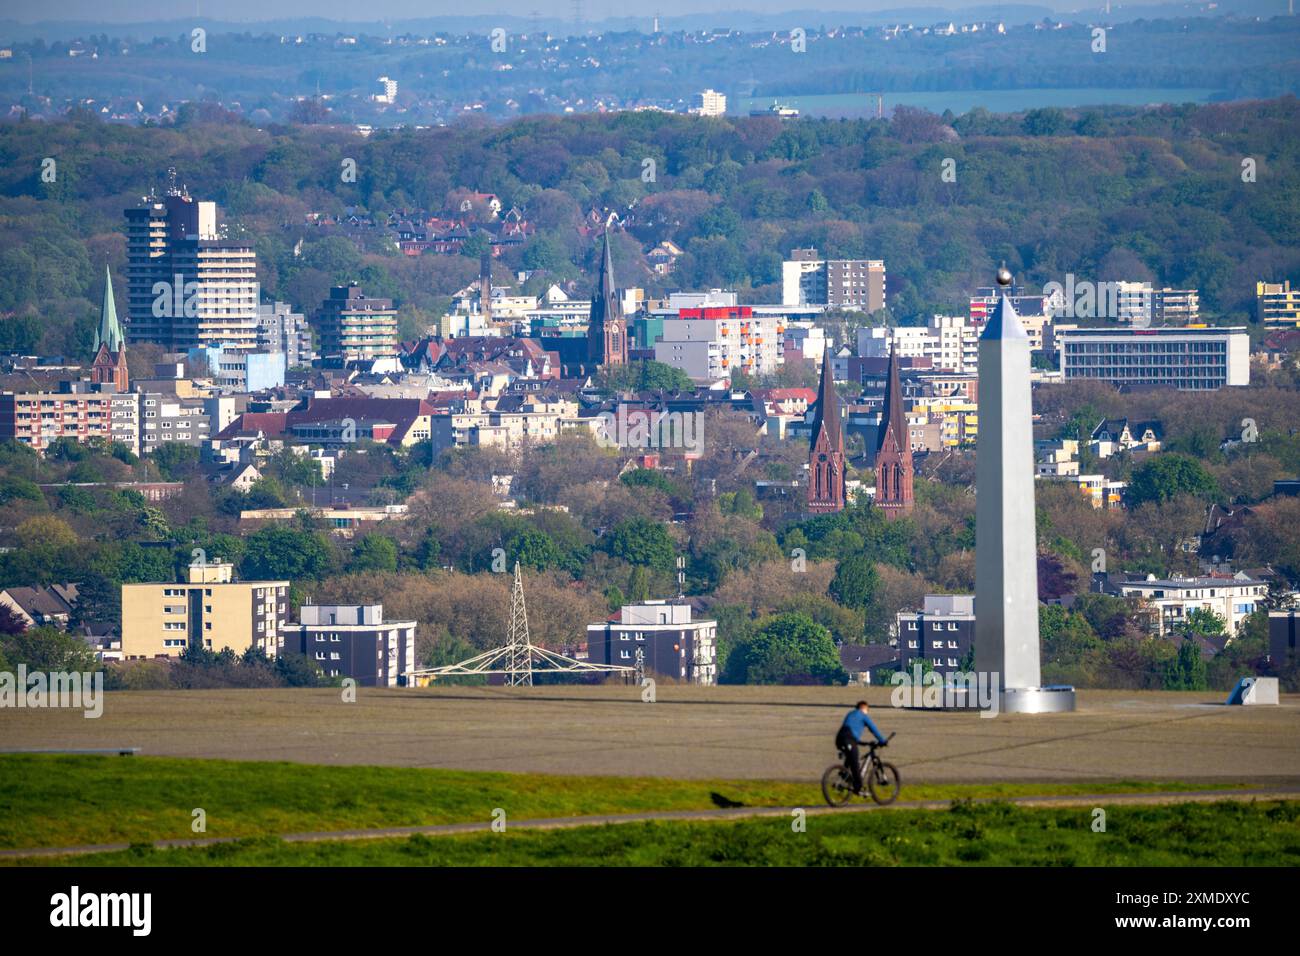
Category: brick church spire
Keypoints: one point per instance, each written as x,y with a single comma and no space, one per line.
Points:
110,344
607,327
826,453
893,449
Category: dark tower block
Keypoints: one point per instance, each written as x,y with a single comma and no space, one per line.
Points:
607,330
893,450
826,453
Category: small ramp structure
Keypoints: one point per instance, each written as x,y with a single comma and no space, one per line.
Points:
519,658
1254,690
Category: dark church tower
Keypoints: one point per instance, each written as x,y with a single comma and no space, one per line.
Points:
893,450
607,329
110,343
826,453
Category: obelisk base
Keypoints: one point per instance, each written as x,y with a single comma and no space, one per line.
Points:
1037,700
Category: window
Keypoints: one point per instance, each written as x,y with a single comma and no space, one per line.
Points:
320,655
335,656
911,625
625,654
320,638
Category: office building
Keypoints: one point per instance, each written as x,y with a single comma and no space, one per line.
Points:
209,609
1192,359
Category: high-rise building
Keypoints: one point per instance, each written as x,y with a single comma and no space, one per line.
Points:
950,342
280,329
710,103
826,451
857,284
711,342
893,450
186,285
355,328
606,327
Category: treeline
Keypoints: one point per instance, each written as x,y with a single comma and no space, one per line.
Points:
1107,194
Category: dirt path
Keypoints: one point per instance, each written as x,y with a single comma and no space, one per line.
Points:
730,813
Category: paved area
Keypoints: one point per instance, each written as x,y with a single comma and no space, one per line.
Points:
563,823
722,732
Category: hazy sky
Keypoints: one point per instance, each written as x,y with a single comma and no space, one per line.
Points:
123,11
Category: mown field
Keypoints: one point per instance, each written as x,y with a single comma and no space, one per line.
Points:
1217,834
62,801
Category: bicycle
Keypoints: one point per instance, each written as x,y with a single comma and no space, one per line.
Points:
881,778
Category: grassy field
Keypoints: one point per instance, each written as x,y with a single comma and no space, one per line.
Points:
690,733
1217,834
54,801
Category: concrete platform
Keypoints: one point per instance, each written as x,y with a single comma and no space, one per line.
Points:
736,732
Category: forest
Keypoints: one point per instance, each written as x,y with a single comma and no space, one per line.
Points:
1157,194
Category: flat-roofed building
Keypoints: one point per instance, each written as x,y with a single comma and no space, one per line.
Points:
210,609
1277,305
1190,359
671,644
1233,598
353,327
942,632
354,640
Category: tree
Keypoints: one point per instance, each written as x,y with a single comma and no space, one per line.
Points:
856,582
277,553
48,649
1169,475
373,552
640,541
786,648
1187,670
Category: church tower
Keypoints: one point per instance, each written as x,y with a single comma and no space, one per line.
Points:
607,329
110,344
826,453
893,450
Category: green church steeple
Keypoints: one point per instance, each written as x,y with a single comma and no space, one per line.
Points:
110,330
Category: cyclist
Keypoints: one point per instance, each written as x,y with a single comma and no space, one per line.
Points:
850,735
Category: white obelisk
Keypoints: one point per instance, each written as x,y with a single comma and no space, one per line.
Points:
1006,549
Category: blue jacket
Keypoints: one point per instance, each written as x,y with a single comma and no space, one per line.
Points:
857,722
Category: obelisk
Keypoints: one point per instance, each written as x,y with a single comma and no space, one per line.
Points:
1006,548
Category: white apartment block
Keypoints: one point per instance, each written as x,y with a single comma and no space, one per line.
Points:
950,341
710,103
709,350
1232,599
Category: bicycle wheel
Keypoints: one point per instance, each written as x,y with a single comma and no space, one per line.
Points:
883,782
837,787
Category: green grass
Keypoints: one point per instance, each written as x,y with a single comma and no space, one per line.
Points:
998,834
54,801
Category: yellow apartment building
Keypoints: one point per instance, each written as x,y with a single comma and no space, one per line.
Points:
210,609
